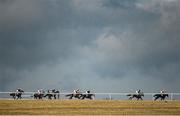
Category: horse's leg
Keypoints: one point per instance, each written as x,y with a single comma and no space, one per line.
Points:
20,96
71,97
14,97
130,98
156,98
91,98
83,96
161,98
137,98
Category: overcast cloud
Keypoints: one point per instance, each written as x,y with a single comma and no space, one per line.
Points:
101,45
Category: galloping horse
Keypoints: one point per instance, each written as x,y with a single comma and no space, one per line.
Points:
55,93
88,96
17,95
38,95
77,95
137,96
162,96
49,95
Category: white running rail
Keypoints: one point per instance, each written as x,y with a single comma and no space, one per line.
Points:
109,96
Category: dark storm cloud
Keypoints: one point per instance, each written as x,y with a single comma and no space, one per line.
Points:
25,40
76,43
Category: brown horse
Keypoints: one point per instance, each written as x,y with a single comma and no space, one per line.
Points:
17,95
88,96
56,94
77,95
161,96
38,95
137,96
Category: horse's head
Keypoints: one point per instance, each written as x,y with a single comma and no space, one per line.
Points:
142,95
22,91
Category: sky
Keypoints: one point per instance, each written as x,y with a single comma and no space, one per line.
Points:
97,45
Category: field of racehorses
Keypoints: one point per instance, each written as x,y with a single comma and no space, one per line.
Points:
88,107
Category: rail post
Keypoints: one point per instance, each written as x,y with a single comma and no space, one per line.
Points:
152,96
171,96
110,96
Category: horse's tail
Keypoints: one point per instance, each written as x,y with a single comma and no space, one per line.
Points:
129,95
22,91
68,95
11,94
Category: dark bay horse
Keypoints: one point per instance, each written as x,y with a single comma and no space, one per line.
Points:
77,95
49,95
56,94
53,94
88,96
38,95
137,96
161,96
17,95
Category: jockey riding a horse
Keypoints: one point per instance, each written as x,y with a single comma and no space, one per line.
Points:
138,95
162,95
17,94
75,94
88,95
76,91
39,94
138,92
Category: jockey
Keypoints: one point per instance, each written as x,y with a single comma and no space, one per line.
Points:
40,91
138,92
19,90
87,92
76,91
162,92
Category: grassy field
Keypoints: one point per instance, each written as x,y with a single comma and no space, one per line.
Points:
88,107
